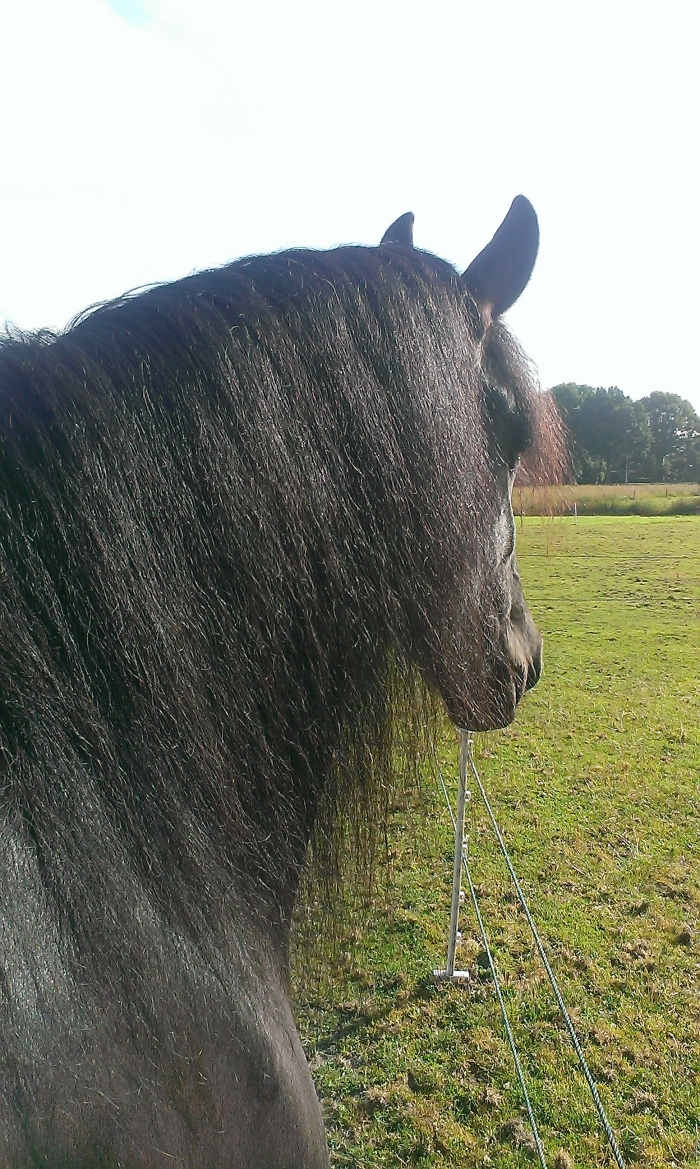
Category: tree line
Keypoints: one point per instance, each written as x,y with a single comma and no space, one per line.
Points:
614,439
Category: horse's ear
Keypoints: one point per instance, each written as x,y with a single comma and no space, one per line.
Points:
400,232
499,274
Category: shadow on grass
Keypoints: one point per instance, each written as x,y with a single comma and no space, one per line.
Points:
357,1017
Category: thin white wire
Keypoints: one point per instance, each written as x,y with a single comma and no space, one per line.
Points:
557,993
550,974
494,976
506,1022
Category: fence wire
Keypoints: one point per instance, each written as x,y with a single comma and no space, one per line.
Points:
545,962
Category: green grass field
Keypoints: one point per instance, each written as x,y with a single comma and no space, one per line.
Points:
597,789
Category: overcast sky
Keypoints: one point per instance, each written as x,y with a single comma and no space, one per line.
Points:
142,140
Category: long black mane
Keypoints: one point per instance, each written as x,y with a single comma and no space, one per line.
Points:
229,508
251,525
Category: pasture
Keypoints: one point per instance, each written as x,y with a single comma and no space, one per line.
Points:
596,787
609,499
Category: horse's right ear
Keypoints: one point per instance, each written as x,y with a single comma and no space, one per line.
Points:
400,232
500,272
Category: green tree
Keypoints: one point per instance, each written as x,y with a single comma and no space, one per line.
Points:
674,427
609,432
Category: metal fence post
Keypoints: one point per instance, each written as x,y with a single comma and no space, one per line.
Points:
466,747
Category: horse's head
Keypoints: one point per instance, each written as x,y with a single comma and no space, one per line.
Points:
485,649
513,659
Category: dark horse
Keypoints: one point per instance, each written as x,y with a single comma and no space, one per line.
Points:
233,510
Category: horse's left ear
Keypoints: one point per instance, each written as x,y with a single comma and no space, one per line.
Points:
400,232
499,274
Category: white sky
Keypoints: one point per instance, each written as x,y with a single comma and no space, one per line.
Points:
142,140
